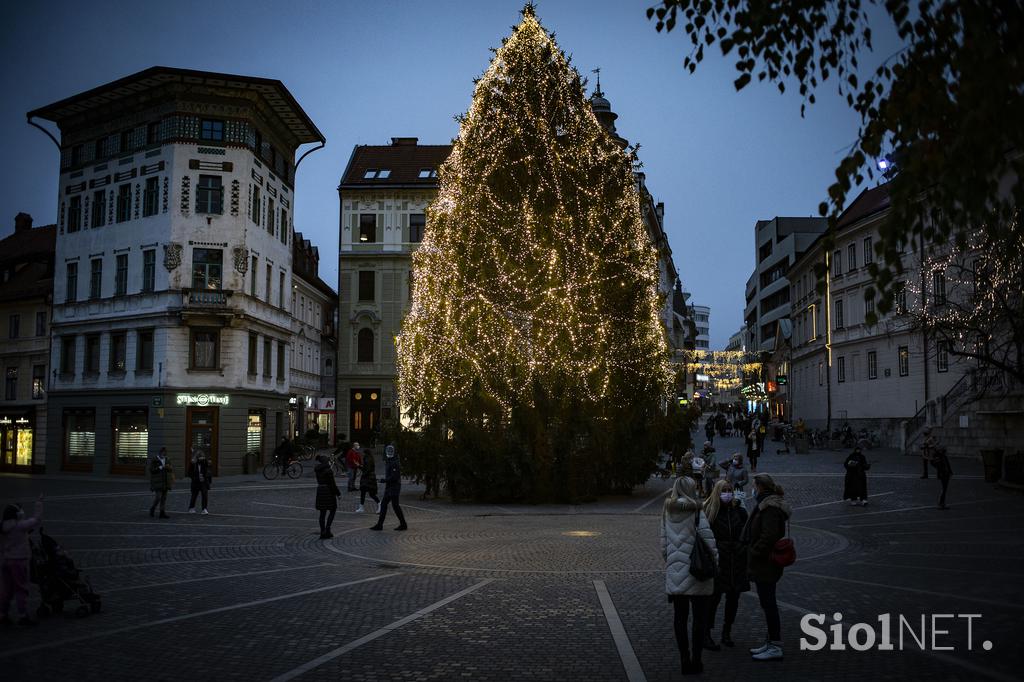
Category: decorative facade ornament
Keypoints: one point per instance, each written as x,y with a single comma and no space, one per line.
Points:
241,259
186,200
172,256
166,192
235,193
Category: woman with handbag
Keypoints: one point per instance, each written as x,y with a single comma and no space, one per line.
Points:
727,518
767,554
688,548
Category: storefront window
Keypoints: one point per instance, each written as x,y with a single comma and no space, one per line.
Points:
254,433
23,453
130,436
79,437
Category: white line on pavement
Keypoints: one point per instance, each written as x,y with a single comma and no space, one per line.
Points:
247,516
427,509
940,519
188,561
935,555
652,500
977,530
634,673
189,616
896,511
76,550
376,634
64,536
1003,603
825,504
286,506
154,523
214,577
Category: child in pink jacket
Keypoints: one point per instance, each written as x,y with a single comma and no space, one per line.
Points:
15,552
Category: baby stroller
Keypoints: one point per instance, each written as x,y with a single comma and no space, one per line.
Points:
59,580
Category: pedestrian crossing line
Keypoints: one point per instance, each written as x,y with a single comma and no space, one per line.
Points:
634,672
189,616
215,577
376,634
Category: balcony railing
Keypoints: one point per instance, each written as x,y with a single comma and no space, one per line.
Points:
205,298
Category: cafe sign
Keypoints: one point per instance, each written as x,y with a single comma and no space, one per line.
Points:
202,399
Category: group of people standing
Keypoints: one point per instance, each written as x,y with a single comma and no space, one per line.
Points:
162,477
745,547
359,465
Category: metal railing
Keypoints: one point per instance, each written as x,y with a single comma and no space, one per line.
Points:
973,385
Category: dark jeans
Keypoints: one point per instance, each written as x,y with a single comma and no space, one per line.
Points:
944,480
364,493
924,468
393,499
698,629
732,605
326,519
159,498
351,479
766,594
197,488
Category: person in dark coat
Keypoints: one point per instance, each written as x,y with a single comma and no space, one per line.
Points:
765,527
944,472
709,429
855,487
368,483
753,448
199,473
161,479
728,518
392,488
283,454
327,494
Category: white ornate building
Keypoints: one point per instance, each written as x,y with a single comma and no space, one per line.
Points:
171,321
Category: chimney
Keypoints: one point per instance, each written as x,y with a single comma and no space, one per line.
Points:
404,141
660,208
22,221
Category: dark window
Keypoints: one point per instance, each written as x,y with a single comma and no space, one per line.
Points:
79,434
205,349
210,195
130,436
284,226
851,257
99,208
268,350
417,223
76,155
939,288
144,350
942,356
153,132
869,305
149,197
280,291
124,202
212,130
368,228
270,217
118,353
11,384
837,263
280,360
872,364
254,341
67,355
904,360
71,287
96,278
270,281
365,346
207,267
367,285
38,381
256,207
121,275
41,323
869,252
257,146
148,270
100,148
252,276
840,321
900,296
126,141
75,213
92,354
13,326
841,369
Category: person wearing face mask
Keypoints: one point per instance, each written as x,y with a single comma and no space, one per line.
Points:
392,488
727,518
765,527
735,474
15,552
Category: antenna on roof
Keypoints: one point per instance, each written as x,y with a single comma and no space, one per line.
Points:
597,92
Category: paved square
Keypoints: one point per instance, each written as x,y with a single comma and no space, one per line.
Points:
508,592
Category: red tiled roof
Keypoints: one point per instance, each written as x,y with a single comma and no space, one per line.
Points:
37,241
405,160
869,202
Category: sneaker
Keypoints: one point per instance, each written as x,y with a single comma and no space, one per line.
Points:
191,510
760,649
359,509
205,512
772,653
853,503
376,507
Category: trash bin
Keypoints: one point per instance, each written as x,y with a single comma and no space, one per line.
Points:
250,463
993,461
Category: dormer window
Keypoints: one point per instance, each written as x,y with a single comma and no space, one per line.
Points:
377,174
427,173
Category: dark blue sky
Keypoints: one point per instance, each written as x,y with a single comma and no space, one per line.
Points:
367,71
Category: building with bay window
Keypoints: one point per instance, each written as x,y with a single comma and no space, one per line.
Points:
171,321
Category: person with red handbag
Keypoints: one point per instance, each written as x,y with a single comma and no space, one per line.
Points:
769,551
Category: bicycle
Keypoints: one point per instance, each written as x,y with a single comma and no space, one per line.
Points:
273,470
305,452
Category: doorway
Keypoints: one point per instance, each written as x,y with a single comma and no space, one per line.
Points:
364,422
202,432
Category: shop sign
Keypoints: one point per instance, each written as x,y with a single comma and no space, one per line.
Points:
5,421
771,386
158,401
781,379
326,404
21,420
202,399
293,401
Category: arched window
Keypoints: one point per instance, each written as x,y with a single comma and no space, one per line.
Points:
365,346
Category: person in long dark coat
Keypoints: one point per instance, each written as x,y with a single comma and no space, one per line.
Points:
765,527
368,483
327,494
753,448
944,471
199,473
855,487
392,489
727,517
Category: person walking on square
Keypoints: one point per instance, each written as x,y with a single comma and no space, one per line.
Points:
199,472
943,471
15,552
927,450
353,460
855,486
727,518
683,525
327,494
709,429
161,479
710,471
283,454
753,449
392,489
735,473
368,483
765,527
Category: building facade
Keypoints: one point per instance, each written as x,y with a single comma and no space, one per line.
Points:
26,286
313,347
171,322
383,195
702,319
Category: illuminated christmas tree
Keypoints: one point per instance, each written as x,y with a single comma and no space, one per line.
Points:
535,289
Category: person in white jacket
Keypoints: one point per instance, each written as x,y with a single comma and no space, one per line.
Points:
681,522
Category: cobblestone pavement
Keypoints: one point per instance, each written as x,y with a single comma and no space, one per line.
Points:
508,592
